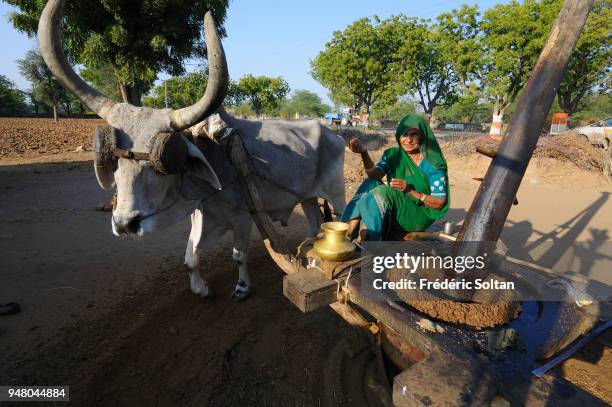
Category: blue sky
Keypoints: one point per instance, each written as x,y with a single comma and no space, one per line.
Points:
268,37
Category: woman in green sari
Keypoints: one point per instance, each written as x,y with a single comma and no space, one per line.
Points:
417,193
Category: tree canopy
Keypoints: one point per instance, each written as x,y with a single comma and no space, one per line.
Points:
306,103
463,58
12,100
589,66
395,111
425,65
513,36
44,85
103,78
372,63
467,109
186,90
264,93
138,39
357,65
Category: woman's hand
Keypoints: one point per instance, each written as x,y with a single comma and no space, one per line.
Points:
356,146
399,184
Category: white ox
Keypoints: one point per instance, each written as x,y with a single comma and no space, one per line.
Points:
162,177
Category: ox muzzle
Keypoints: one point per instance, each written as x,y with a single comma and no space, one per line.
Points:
167,154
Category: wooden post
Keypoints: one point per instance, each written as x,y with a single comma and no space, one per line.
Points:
487,215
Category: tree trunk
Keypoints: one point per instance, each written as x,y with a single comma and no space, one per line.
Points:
130,94
433,121
366,117
55,113
497,122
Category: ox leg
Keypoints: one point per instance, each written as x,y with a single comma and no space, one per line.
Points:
313,216
198,241
242,232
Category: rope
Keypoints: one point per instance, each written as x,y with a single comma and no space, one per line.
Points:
346,285
348,278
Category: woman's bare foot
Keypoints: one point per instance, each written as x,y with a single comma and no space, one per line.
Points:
363,234
353,224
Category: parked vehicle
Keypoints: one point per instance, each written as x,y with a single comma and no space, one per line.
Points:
598,133
333,118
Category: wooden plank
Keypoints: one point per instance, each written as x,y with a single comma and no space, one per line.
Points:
309,290
402,322
442,380
349,314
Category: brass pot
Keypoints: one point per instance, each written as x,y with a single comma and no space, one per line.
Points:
334,246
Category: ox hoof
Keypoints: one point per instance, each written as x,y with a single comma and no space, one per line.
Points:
241,292
200,287
209,296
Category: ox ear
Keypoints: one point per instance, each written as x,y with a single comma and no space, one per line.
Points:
198,165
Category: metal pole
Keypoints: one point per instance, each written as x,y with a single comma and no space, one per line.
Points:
487,215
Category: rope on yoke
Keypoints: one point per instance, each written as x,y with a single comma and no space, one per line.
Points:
345,290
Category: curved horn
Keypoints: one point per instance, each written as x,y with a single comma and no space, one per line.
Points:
216,88
50,46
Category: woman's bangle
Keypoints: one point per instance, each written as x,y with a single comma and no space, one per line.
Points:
422,198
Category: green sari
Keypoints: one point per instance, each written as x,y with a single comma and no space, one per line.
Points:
384,210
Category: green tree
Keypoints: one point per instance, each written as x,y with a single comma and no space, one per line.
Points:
597,106
12,100
235,96
357,67
103,78
590,62
182,91
244,110
263,92
373,64
186,90
467,109
395,111
36,106
306,103
460,39
138,39
44,85
426,68
513,36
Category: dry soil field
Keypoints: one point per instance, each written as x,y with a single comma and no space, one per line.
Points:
114,319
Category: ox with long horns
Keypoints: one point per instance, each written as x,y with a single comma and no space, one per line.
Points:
162,177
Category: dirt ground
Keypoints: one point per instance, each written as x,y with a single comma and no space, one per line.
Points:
114,318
